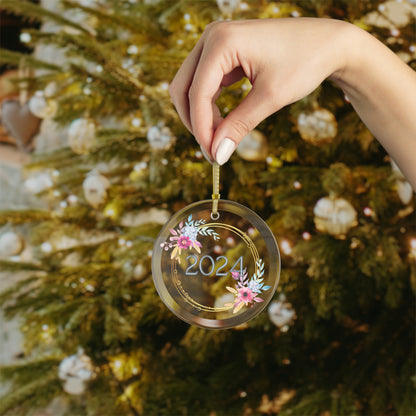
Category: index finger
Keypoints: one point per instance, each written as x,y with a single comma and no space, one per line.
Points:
203,92
179,87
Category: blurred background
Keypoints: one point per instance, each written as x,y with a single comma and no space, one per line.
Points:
94,161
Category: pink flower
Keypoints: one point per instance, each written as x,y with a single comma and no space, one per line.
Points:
235,275
184,242
245,295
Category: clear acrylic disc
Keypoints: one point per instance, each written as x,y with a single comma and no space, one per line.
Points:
216,271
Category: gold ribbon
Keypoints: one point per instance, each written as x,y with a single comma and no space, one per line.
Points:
215,190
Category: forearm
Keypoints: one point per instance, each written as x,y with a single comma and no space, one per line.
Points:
382,89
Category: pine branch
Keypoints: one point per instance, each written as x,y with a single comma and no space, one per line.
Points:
16,58
136,23
35,385
13,266
10,297
36,12
101,53
24,216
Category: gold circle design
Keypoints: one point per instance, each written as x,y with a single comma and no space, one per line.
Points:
178,284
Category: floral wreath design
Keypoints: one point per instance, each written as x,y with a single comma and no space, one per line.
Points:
185,237
246,291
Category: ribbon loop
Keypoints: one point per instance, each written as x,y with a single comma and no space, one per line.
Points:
215,190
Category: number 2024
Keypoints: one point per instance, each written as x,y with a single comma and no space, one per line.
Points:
218,265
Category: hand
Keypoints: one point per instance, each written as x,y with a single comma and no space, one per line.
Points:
284,59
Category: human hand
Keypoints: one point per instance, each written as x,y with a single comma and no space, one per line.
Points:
284,59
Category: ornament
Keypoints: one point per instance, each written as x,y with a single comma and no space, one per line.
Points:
160,137
194,267
72,199
81,135
228,7
318,127
19,122
51,89
286,247
404,189
281,313
76,370
41,106
133,50
253,147
334,216
95,188
139,272
136,122
11,244
38,183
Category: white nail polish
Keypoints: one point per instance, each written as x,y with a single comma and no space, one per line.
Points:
225,150
206,155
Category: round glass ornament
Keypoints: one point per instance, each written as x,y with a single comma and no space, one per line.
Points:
216,269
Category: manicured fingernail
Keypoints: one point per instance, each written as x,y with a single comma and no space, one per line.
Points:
225,150
207,156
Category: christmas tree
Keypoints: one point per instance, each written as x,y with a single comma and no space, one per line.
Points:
339,336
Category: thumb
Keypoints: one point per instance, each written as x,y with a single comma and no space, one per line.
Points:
244,118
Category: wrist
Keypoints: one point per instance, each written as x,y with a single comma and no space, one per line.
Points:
349,54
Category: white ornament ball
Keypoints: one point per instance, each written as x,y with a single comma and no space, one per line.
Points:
139,271
38,183
253,147
405,191
81,135
133,50
281,312
334,216
74,386
11,244
75,371
160,137
228,7
318,127
95,188
41,106
51,89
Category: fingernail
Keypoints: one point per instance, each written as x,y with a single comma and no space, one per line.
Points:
206,156
225,150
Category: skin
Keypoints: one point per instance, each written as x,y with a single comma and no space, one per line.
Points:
285,60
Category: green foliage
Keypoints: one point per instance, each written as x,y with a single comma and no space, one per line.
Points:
31,391
16,59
